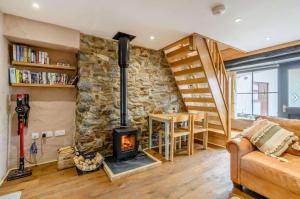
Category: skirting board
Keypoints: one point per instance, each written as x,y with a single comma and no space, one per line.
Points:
114,177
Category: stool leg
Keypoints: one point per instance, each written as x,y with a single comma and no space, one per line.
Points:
172,149
192,143
189,144
160,142
175,144
205,139
179,145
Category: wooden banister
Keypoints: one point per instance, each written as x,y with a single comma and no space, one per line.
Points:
208,57
219,67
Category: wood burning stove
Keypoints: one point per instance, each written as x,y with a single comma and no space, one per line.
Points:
125,143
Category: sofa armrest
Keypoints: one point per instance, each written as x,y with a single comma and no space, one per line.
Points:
237,149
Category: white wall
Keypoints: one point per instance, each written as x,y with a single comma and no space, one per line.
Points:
4,93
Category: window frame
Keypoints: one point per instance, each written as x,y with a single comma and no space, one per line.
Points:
252,93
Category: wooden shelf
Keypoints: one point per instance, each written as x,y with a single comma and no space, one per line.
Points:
42,85
33,65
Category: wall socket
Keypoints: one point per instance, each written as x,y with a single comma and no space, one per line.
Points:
59,132
35,135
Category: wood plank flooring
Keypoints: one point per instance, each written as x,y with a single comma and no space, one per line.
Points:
203,175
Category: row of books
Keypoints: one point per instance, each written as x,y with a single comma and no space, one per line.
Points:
26,54
29,77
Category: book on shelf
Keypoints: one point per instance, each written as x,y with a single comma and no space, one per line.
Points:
14,52
28,77
27,54
12,75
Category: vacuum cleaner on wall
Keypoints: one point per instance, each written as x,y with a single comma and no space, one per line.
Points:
22,110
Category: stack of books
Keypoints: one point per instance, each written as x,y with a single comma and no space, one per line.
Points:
26,54
28,77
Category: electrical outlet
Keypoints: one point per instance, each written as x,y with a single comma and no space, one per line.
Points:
59,133
35,135
48,133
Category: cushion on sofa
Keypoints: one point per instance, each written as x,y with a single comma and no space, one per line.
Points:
284,174
269,137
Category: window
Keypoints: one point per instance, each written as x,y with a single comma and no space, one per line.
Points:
294,87
257,93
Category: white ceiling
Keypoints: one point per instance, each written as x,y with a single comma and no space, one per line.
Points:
169,20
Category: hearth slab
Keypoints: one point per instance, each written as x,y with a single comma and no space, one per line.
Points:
142,162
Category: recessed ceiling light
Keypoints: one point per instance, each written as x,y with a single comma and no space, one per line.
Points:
238,20
35,5
152,37
268,38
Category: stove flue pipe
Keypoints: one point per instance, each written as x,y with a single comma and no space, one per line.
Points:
123,61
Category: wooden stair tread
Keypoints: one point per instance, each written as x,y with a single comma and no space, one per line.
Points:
186,61
192,81
188,71
182,42
199,129
180,51
195,90
215,122
215,126
199,99
216,130
202,108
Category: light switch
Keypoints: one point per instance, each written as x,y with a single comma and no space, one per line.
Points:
59,133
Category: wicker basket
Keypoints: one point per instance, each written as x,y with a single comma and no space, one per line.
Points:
65,157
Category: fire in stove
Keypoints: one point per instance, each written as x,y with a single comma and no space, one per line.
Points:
127,142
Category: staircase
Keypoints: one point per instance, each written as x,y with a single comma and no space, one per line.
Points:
202,80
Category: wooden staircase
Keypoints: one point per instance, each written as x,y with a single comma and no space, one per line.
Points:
202,80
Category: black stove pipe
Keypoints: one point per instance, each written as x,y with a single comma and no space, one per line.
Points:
123,52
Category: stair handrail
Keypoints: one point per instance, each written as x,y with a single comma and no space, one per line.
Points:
219,67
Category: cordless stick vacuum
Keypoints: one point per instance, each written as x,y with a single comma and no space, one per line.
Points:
22,110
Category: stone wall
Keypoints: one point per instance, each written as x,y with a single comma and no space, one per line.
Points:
151,88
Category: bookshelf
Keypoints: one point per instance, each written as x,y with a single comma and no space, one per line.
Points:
46,66
42,67
43,85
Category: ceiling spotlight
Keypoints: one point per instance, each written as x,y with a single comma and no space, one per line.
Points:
238,20
268,38
35,5
152,37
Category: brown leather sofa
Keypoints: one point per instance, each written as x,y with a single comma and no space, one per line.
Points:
265,175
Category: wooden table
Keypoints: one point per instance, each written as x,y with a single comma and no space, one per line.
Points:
166,119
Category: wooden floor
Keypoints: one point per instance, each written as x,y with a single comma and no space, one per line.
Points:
203,175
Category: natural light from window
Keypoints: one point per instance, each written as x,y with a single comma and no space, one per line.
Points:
257,93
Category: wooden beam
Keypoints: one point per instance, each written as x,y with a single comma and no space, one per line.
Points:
230,53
